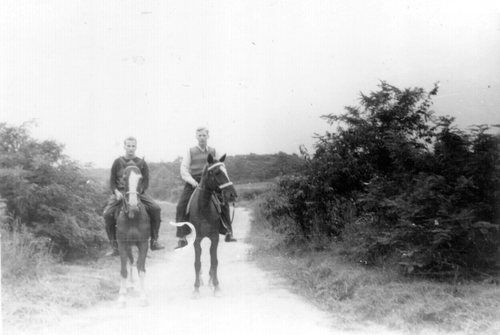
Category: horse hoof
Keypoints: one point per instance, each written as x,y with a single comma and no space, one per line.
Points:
217,291
196,294
122,304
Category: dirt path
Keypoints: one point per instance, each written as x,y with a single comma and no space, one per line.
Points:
251,301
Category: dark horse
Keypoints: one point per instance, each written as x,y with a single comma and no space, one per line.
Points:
205,216
132,229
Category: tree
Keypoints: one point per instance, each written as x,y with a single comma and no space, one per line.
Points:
431,191
49,193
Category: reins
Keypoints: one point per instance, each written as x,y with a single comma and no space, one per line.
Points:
232,218
220,187
126,204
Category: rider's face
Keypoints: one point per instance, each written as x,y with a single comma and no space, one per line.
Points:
202,137
130,147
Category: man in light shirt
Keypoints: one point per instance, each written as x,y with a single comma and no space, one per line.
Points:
191,169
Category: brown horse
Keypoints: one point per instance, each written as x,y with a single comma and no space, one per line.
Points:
206,218
132,229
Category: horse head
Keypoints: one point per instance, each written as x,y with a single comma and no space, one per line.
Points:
218,178
133,186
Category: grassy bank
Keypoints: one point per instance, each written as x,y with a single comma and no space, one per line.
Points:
355,295
62,290
52,290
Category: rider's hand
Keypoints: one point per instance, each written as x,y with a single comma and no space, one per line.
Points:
118,194
195,184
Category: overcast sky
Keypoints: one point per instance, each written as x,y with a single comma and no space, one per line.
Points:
259,74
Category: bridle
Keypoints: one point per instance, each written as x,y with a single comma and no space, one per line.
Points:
222,165
222,186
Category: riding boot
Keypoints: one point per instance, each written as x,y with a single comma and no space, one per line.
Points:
111,232
114,249
226,222
182,231
155,232
229,237
182,243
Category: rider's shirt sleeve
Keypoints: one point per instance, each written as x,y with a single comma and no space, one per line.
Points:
113,176
185,170
145,177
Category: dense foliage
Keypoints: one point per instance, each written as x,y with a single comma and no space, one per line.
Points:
398,184
47,194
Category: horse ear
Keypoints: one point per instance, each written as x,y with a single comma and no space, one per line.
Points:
223,158
210,159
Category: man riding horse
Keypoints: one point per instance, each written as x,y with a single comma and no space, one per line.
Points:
117,186
191,169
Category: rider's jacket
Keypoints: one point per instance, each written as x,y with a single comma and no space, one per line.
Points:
116,181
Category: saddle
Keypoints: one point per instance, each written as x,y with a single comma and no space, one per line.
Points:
215,201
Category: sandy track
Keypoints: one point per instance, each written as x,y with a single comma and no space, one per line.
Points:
250,301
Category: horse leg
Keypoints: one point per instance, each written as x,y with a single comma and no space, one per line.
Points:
141,269
123,275
214,262
131,265
197,266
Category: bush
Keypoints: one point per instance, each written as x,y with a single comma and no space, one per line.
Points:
49,194
431,191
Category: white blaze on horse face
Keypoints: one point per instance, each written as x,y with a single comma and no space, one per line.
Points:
133,182
223,169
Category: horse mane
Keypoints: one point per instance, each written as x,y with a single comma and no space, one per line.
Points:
203,175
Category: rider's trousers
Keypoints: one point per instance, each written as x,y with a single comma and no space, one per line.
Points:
181,216
154,212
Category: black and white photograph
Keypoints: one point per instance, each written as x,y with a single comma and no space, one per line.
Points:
250,167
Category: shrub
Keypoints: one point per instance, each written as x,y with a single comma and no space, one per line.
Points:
431,191
49,194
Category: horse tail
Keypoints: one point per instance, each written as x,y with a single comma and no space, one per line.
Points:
190,237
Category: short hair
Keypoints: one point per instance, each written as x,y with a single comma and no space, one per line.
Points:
199,129
130,138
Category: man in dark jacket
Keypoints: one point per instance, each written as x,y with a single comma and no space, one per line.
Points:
117,186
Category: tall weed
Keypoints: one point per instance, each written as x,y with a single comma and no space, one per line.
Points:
23,254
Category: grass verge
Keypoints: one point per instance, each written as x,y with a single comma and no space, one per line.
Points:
63,289
356,296
38,291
